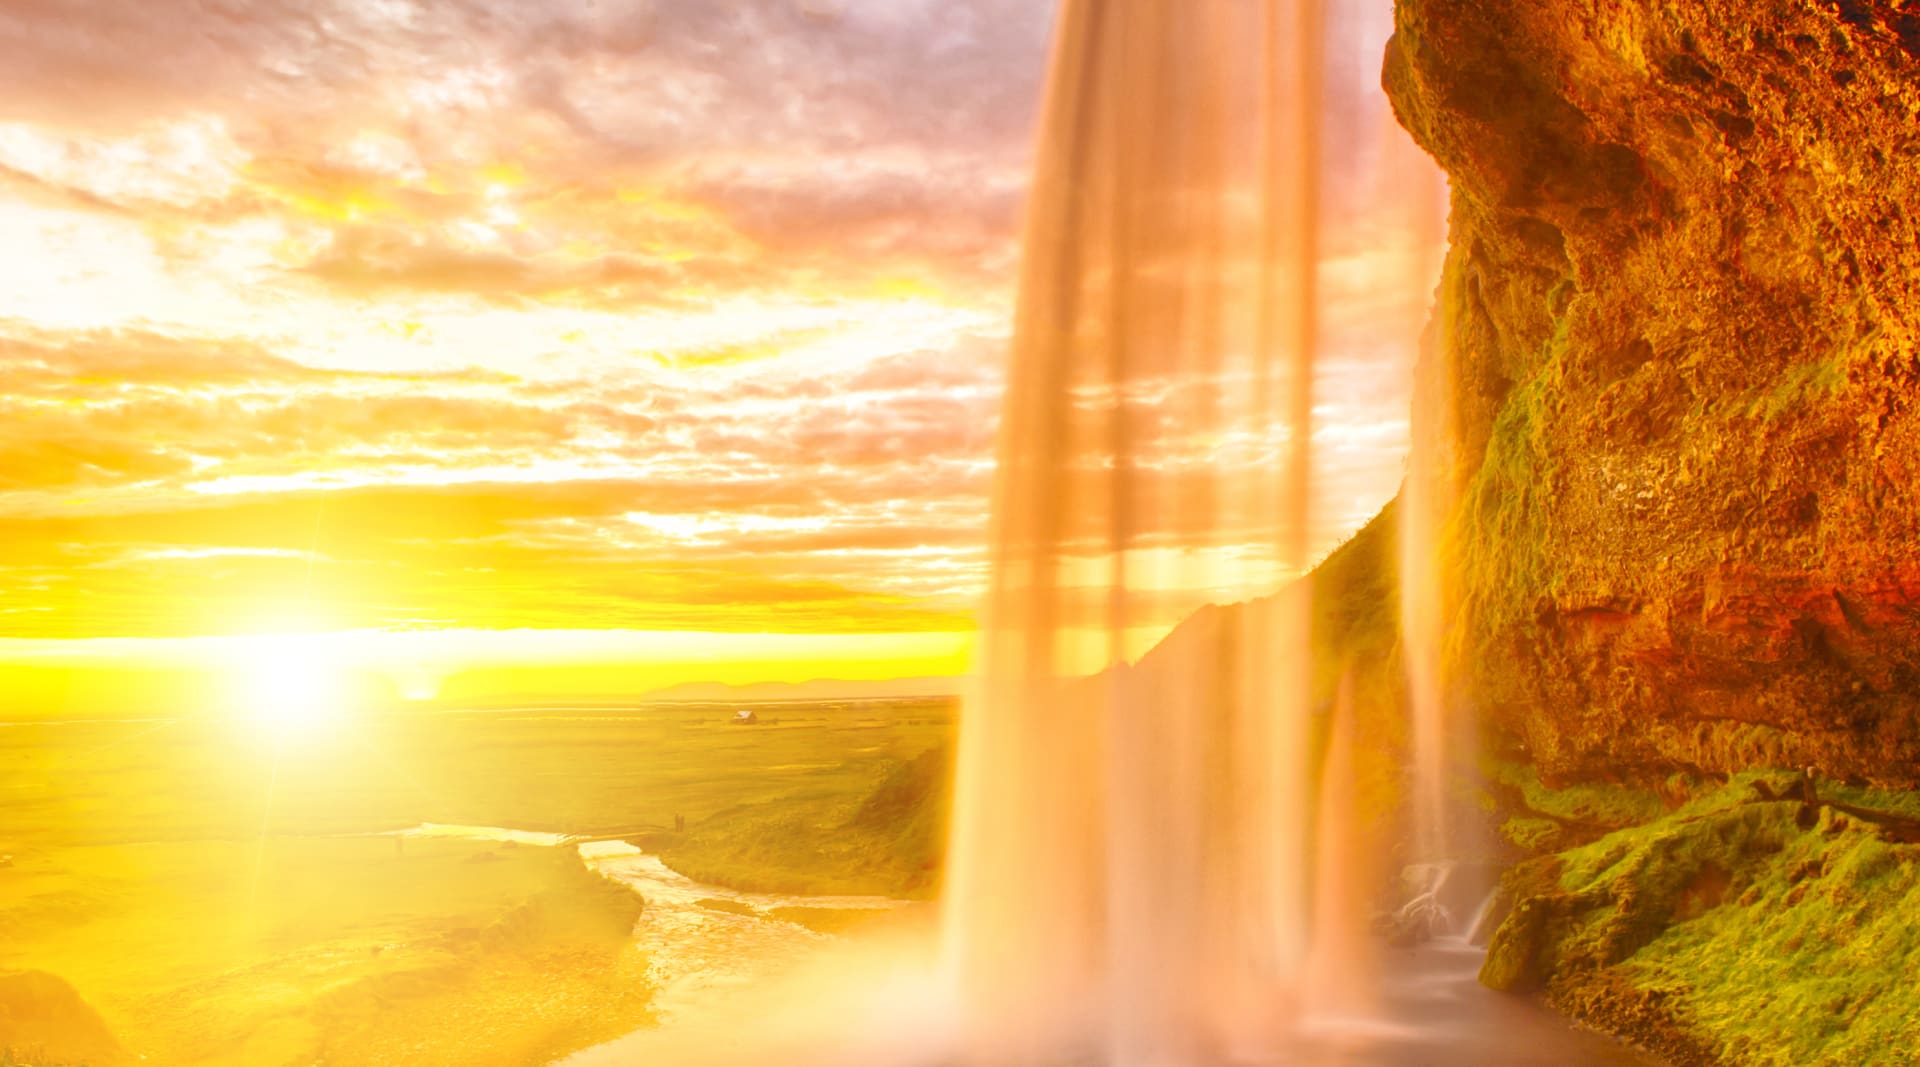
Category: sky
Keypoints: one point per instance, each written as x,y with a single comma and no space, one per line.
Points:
618,331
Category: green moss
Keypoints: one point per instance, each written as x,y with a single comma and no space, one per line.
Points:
1514,962
1800,384
1601,805
1356,636
1505,556
1751,937
1560,296
1356,600
1813,966
1534,835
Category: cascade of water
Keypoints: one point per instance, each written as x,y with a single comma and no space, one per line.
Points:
1166,863
1134,863
1476,932
1424,502
1341,961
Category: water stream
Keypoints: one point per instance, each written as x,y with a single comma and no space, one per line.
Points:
701,940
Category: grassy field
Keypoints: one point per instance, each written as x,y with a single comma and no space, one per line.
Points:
206,896
889,838
573,771
337,950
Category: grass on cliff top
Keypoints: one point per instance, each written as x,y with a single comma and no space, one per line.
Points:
1763,942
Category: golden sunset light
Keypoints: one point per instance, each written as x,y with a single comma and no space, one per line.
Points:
449,317
537,321
288,687
977,533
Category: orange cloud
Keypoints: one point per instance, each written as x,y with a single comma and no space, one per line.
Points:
647,315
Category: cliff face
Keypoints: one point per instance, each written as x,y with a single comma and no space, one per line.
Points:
1678,327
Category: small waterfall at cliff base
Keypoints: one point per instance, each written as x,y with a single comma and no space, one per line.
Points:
1424,500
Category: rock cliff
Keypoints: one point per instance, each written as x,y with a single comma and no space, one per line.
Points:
1678,333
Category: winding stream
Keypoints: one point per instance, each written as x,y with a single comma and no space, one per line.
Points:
737,985
701,939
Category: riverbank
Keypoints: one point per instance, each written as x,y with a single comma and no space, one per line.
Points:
880,837
349,950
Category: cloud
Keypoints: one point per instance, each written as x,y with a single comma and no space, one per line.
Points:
360,265
806,137
109,439
76,61
39,362
472,557
657,313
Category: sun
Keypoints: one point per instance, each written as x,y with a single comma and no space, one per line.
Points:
289,687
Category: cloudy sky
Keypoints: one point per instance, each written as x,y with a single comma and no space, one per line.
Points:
630,316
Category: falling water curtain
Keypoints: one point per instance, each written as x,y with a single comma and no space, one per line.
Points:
1127,872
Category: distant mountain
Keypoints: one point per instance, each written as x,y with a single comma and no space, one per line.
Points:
817,689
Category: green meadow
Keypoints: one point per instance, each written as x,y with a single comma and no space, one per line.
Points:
194,892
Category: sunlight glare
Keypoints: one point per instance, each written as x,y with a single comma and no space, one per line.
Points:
289,687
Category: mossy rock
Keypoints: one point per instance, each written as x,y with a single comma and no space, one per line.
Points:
1533,834
1518,959
1735,930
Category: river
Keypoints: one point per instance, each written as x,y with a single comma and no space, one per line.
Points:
737,985
701,940
742,988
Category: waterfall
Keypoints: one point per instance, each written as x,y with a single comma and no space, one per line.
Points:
1424,502
1147,865
1163,852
